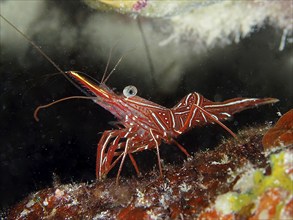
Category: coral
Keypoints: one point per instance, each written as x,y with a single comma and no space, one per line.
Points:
268,197
208,23
274,203
281,133
236,179
147,8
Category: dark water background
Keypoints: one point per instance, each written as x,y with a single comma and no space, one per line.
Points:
64,141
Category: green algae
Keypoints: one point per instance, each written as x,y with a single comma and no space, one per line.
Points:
261,183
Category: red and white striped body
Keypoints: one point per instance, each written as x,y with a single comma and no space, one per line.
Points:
145,124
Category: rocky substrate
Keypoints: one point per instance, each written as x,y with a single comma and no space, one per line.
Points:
238,180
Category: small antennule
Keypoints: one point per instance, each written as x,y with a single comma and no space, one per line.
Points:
57,101
105,76
114,68
108,63
112,71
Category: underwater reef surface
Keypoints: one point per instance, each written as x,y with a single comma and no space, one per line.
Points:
79,38
237,180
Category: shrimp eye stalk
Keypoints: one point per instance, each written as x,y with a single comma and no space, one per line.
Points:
129,91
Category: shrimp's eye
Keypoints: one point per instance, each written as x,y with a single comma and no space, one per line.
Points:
129,91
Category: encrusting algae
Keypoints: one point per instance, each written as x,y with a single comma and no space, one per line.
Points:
280,180
236,180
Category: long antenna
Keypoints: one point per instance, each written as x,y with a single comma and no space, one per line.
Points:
112,71
34,45
40,51
54,64
107,66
